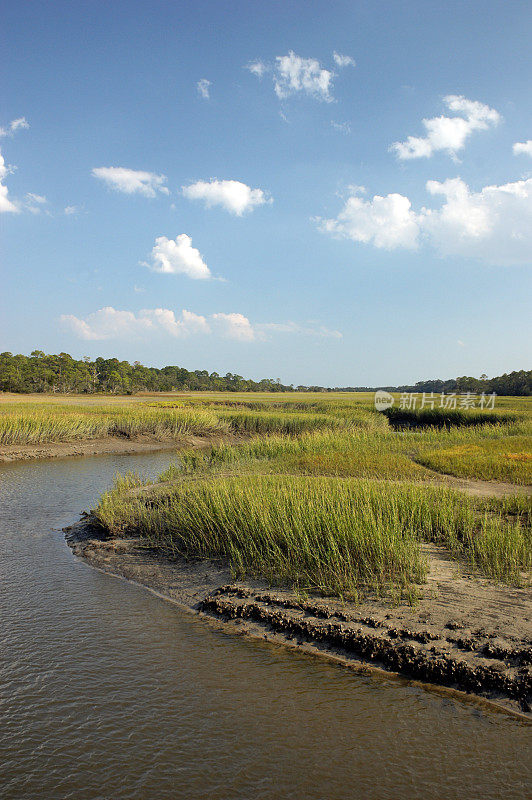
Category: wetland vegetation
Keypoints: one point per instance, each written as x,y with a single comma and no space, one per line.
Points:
320,493
402,533
327,497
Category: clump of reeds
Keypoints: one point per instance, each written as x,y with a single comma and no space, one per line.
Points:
329,535
33,426
264,422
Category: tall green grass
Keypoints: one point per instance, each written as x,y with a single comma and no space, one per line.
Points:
27,424
328,535
340,452
36,426
506,459
486,452
263,422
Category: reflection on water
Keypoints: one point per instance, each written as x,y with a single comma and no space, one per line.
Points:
106,691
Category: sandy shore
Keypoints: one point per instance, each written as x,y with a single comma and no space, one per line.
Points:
466,635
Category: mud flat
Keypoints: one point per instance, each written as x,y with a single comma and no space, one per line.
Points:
105,446
466,634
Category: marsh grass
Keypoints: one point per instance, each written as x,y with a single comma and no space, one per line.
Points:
378,453
316,492
37,425
328,535
265,422
318,535
506,459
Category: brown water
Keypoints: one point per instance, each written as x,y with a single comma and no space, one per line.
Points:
107,691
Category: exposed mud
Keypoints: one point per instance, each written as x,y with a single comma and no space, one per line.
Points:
105,445
478,488
466,634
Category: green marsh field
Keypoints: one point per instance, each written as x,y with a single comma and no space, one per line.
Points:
319,492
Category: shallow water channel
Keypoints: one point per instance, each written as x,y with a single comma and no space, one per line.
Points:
107,691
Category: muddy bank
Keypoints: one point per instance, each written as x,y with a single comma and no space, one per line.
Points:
106,445
466,634
479,488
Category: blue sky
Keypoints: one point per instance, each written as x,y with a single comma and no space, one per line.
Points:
207,184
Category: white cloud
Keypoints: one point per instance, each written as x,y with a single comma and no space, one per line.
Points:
131,181
110,323
14,126
387,222
36,198
493,225
203,88
234,196
295,74
342,127
448,133
292,74
523,148
35,203
234,326
343,61
5,203
257,68
19,123
166,319
178,257
70,210
107,323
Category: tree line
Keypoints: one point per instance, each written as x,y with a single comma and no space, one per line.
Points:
513,384
61,373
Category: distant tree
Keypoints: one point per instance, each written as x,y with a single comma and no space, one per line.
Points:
40,372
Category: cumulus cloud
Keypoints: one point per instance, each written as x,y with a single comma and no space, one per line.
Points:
292,74
203,87
167,320
448,133
106,323
523,148
131,181
234,326
343,61
295,74
14,126
387,222
178,257
5,203
234,196
493,225
112,323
